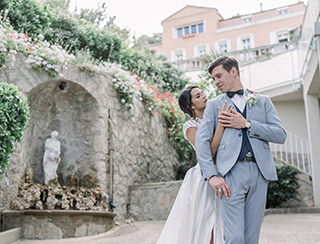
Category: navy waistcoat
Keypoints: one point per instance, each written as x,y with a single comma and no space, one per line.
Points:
246,146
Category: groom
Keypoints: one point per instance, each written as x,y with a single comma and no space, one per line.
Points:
244,163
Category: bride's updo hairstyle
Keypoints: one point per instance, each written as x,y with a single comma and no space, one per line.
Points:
185,102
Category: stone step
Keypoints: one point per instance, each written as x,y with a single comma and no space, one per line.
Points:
9,236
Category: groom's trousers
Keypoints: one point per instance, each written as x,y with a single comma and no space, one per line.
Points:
244,211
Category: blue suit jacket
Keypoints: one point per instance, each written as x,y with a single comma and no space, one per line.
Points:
265,127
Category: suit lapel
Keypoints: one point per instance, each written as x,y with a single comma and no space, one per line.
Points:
228,99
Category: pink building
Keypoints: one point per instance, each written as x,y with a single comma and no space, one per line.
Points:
193,31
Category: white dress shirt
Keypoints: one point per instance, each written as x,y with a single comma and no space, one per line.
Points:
239,101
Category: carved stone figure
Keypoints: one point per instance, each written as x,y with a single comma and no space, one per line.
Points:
51,157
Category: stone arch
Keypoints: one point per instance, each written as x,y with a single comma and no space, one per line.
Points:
74,113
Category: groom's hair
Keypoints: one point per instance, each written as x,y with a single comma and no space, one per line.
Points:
227,63
185,102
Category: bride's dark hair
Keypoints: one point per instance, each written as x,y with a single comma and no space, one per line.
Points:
185,102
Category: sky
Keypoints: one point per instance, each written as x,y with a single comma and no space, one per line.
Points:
145,16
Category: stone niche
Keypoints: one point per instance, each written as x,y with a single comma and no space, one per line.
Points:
72,112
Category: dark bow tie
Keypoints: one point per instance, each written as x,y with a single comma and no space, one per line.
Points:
231,93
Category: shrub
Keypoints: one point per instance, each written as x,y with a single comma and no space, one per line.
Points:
14,116
58,27
285,188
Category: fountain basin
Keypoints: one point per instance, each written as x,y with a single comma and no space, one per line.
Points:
57,224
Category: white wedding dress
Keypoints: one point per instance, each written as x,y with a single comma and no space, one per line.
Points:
196,210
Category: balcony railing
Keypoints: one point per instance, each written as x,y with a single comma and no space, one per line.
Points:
295,151
261,53
244,57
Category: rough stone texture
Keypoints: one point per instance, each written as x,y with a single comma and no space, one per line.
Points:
58,224
153,201
52,196
142,151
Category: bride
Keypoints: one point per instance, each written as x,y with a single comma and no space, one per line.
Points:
195,216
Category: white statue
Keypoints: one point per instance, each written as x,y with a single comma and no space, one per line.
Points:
51,157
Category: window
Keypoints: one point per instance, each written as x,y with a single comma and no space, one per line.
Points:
190,29
282,12
246,20
178,56
246,43
223,46
283,37
193,29
186,30
200,27
202,50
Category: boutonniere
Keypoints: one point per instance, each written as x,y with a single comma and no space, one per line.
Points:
251,100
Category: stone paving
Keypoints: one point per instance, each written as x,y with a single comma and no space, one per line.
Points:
276,229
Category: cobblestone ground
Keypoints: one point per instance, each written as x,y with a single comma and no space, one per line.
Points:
276,229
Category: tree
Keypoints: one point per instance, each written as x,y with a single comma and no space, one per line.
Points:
144,40
53,4
122,33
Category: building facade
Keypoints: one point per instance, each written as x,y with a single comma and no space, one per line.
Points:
194,31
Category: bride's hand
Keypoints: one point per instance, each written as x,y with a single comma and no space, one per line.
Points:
228,109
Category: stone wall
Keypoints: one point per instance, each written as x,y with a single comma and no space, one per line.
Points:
58,224
80,112
153,201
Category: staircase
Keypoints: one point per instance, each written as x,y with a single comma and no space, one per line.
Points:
295,151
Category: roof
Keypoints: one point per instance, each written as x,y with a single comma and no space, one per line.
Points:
263,11
192,6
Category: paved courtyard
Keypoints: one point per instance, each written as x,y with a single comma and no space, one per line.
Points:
276,229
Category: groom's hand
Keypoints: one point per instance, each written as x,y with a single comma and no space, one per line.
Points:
220,187
232,119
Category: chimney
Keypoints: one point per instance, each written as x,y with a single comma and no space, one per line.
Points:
261,7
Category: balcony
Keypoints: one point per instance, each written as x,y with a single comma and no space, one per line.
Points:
244,57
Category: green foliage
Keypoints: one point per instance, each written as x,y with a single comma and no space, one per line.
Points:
206,83
285,188
74,34
154,70
122,33
186,153
167,105
61,4
144,41
107,44
14,116
27,16
3,59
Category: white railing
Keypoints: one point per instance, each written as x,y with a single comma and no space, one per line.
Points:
295,151
244,57
262,53
194,64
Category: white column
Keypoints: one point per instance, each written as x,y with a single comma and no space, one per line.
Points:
313,121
